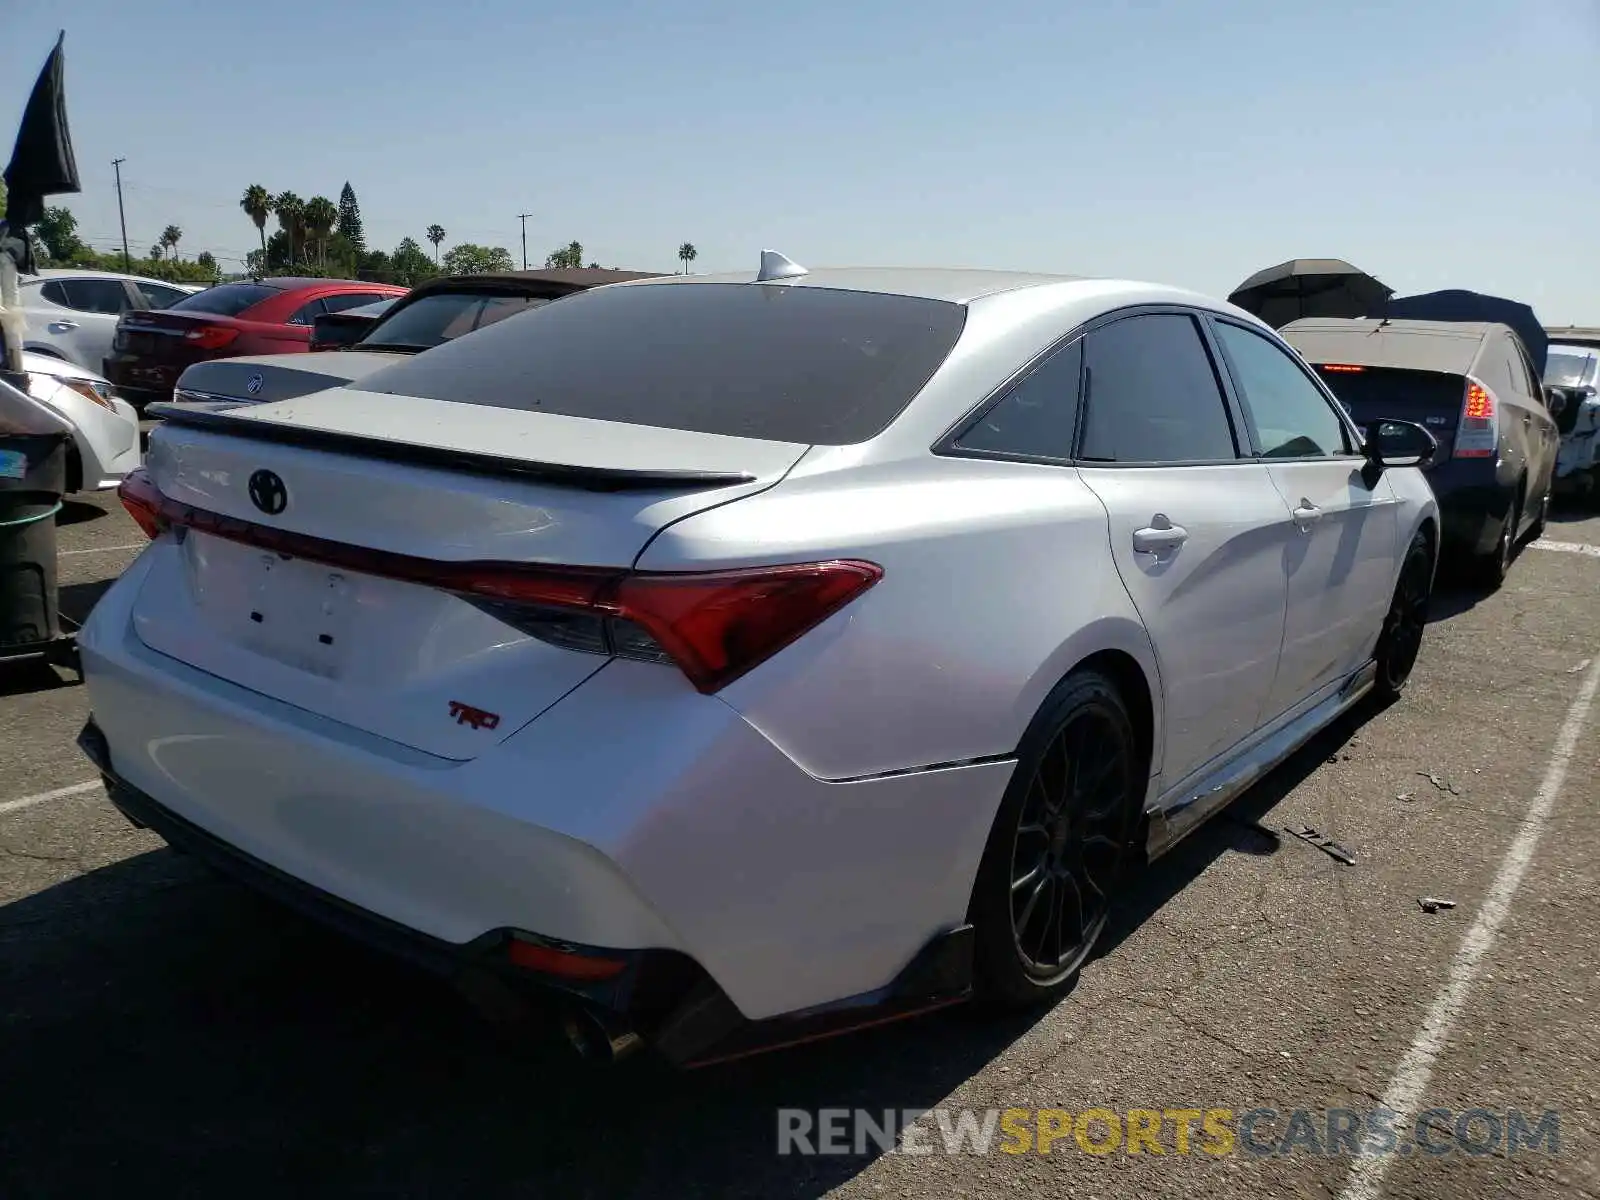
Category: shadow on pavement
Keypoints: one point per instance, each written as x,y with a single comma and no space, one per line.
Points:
166,1030
75,512
76,599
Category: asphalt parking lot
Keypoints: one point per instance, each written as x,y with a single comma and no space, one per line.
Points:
163,1029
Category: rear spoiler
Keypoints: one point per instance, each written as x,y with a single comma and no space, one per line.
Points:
218,418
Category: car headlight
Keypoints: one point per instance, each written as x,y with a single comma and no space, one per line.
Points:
89,389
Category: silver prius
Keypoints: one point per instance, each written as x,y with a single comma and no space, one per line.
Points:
742,658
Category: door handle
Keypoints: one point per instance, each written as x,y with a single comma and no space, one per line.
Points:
1306,514
1161,537
62,326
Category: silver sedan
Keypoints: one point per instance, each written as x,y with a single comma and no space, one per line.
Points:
745,657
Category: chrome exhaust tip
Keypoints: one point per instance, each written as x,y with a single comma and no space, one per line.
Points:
599,1038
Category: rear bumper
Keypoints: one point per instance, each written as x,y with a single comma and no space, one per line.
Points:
1473,504
628,816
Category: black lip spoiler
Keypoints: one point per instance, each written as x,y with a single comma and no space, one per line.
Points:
217,418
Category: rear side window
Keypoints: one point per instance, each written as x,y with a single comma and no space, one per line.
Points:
1151,394
784,363
88,295
1038,417
1291,416
1569,368
226,299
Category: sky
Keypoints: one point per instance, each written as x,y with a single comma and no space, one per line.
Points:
1434,143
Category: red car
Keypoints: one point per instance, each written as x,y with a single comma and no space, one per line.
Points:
257,316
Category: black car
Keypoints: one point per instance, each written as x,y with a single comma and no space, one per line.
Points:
1473,385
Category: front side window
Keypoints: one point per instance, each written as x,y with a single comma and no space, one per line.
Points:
1038,417
1292,417
1151,394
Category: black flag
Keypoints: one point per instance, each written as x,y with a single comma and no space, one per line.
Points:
41,162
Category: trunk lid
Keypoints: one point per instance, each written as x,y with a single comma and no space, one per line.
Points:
1430,398
265,378
447,483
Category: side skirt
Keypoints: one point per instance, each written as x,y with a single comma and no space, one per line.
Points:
1193,802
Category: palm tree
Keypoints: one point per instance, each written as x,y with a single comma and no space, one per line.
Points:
170,236
157,251
291,211
436,235
320,216
257,204
687,253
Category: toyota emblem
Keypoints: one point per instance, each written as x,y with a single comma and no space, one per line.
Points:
268,493
254,386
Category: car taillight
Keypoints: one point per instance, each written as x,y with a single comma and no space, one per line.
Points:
144,501
714,626
1478,434
211,337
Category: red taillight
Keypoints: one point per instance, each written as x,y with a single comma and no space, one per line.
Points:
1478,433
566,964
1480,403
717,626
143,502
714,626
211,337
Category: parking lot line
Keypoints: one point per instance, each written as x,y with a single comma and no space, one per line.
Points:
1411,1077
104,549
76,789
1567,547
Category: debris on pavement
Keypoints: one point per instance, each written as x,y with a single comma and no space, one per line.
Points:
1405,797
1578,670
1432,904
1324,843
1441,784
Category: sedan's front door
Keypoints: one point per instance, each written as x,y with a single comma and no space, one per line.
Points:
1340,558
1196,531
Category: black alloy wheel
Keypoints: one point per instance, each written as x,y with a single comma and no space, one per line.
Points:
1060,844
1403,626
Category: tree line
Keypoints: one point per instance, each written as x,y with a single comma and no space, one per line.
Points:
315,237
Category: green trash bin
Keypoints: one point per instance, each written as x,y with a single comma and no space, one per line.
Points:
33,477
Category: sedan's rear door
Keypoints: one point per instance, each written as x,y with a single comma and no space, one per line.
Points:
1197,531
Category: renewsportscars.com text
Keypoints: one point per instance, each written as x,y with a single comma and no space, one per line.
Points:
1216,1132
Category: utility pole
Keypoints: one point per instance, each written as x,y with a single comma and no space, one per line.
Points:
127,262
523,217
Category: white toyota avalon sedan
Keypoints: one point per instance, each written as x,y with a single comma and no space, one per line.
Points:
744,658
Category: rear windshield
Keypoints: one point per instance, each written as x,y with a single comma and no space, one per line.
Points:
1369,393
226,299
792,364
434,320
1563,368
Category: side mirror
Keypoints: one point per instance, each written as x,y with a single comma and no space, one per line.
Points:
1400,444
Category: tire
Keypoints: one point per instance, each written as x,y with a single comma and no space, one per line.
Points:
1060,845
1401,638
1490,570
